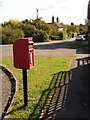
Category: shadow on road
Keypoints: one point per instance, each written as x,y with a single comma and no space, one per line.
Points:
84,48
63,44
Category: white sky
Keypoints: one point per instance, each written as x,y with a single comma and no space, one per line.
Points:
67,10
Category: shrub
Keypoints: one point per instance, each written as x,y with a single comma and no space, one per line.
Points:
41,36
41,25
9,35
63,35
54,32
29,30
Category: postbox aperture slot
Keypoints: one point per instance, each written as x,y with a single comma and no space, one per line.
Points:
30,43
30,50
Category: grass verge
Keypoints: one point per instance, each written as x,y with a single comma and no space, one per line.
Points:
7,45
39,78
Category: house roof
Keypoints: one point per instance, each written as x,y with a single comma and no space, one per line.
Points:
57,24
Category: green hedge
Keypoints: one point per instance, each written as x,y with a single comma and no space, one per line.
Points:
63,35
41,36
9,35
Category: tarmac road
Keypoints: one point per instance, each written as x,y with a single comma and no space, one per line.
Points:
49,49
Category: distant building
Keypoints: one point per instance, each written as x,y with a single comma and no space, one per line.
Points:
56,25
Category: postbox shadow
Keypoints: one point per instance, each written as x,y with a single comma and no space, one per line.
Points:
54,97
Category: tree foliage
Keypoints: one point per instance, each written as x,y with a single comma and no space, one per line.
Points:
41,25
9,35
29,30
72,28
83,28
41,36
40,30
15,29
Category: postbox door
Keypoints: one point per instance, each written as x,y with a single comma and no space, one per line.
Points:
31,52
20,53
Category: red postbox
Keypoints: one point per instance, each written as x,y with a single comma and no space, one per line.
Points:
23,53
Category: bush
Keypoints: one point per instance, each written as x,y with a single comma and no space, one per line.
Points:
29,30
41,36
63,35
41,25
9,35
54,33
69,34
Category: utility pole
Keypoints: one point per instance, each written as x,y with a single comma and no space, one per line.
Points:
37,13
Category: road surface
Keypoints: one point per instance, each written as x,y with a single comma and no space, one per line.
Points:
49,49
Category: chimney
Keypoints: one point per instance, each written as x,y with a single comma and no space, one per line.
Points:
53,19
57,19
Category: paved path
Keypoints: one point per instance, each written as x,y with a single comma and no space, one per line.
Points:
49,49
76,105
6,90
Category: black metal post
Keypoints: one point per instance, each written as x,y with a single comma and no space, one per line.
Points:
25,86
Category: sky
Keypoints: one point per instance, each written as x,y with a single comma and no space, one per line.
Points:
67,10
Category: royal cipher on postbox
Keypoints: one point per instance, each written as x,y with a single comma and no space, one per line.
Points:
23,53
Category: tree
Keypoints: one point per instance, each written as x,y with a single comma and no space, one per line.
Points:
25,21
72,28
72,23
29,30
86,22
83,28
41,36
41,25
9,35
12,23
